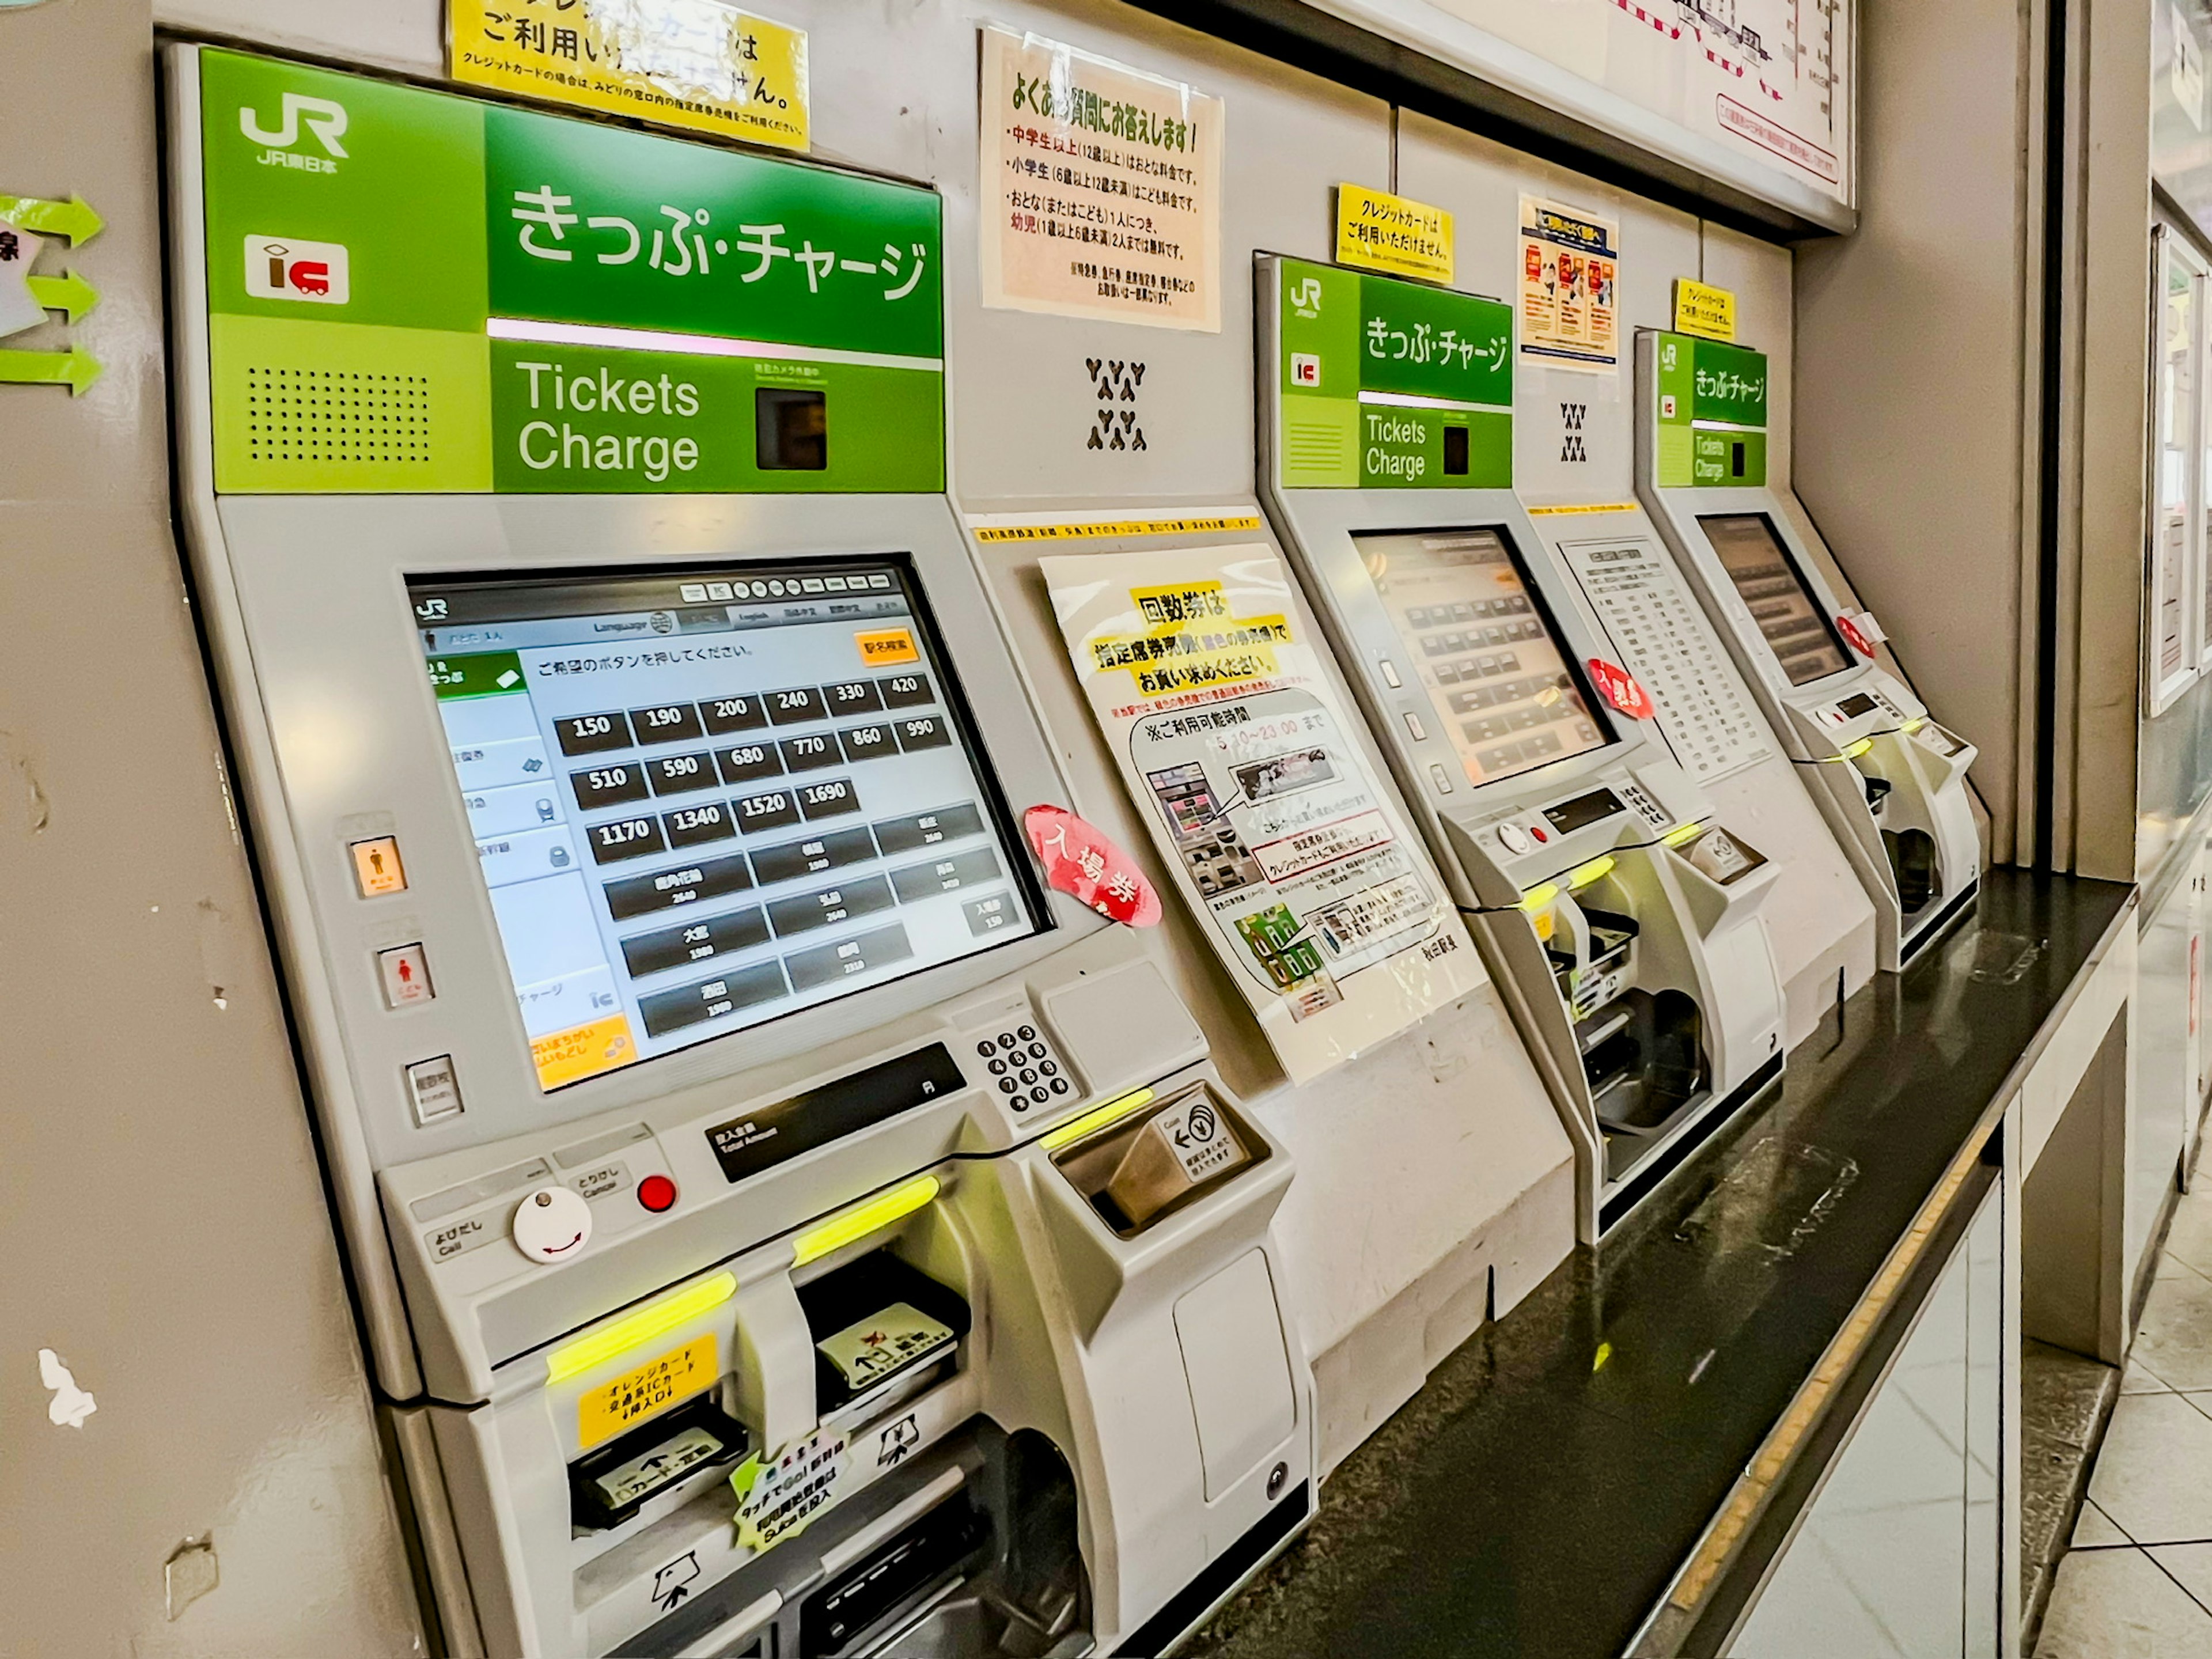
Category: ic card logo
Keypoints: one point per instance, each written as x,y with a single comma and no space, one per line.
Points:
325,122
288,268
1305,369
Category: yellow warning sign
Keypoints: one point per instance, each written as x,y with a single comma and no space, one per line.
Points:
693,64
1378,231
606,1411
887,645
1090,530
1700,309
1592,507
583,1051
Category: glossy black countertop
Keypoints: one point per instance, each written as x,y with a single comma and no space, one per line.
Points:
1540,1494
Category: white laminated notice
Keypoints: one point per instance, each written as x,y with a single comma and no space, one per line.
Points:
1240,757
1100,185
1666,641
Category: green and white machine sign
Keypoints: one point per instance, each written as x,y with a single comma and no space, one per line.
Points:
412,292
1392,386
1711,418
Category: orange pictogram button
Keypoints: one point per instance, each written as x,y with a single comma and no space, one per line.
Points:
376,867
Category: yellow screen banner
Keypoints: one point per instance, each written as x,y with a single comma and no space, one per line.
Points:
1378,231
695,64
1706,311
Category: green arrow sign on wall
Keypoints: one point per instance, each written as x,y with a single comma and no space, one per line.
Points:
75,368
74,218
68,294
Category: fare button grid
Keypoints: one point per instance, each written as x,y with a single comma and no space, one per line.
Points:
1670,648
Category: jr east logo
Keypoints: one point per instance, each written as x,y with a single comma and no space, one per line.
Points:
290,267
325,121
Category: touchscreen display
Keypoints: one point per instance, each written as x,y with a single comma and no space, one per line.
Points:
1783,606
1509,697
702,800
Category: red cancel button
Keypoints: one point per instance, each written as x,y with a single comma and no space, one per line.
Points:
657,1193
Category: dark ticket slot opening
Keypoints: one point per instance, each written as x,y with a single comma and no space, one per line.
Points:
1456,452
791,430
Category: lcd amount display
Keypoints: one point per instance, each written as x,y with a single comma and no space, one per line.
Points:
703,799
1767,581
1505,692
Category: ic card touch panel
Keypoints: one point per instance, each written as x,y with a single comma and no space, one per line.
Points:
1509,697
701,803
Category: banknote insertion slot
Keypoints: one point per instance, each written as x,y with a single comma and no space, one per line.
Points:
877,1320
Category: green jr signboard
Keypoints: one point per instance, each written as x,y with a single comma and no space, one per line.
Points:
1711,418
413,292
1392,386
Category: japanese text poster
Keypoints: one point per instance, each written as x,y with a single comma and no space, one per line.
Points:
1570,287
697,64
1240,756
1101,188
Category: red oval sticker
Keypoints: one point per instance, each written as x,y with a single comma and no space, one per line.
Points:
1081,860
1619,687
1853,638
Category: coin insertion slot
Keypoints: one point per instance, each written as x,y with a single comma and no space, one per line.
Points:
1138,1169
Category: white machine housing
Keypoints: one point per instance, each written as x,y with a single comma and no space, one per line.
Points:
1151,1360
1890,780
1526,882
1818,919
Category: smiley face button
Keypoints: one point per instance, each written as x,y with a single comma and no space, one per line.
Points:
552,1224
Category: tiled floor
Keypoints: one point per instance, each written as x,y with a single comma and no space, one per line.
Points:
2137,1581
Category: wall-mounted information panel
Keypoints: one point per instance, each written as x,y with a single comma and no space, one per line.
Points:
681,825
1747,103
576,309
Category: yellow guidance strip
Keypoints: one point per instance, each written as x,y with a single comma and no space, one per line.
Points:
1584,874
1852,751
1911,726
642,1327
1539,895
841,1230
1682,834
1097,1118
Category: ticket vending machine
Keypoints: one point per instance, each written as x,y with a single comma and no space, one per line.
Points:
1891,781
1622,920
782,1226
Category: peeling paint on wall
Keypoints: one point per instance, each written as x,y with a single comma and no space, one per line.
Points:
191,1572
71,1405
